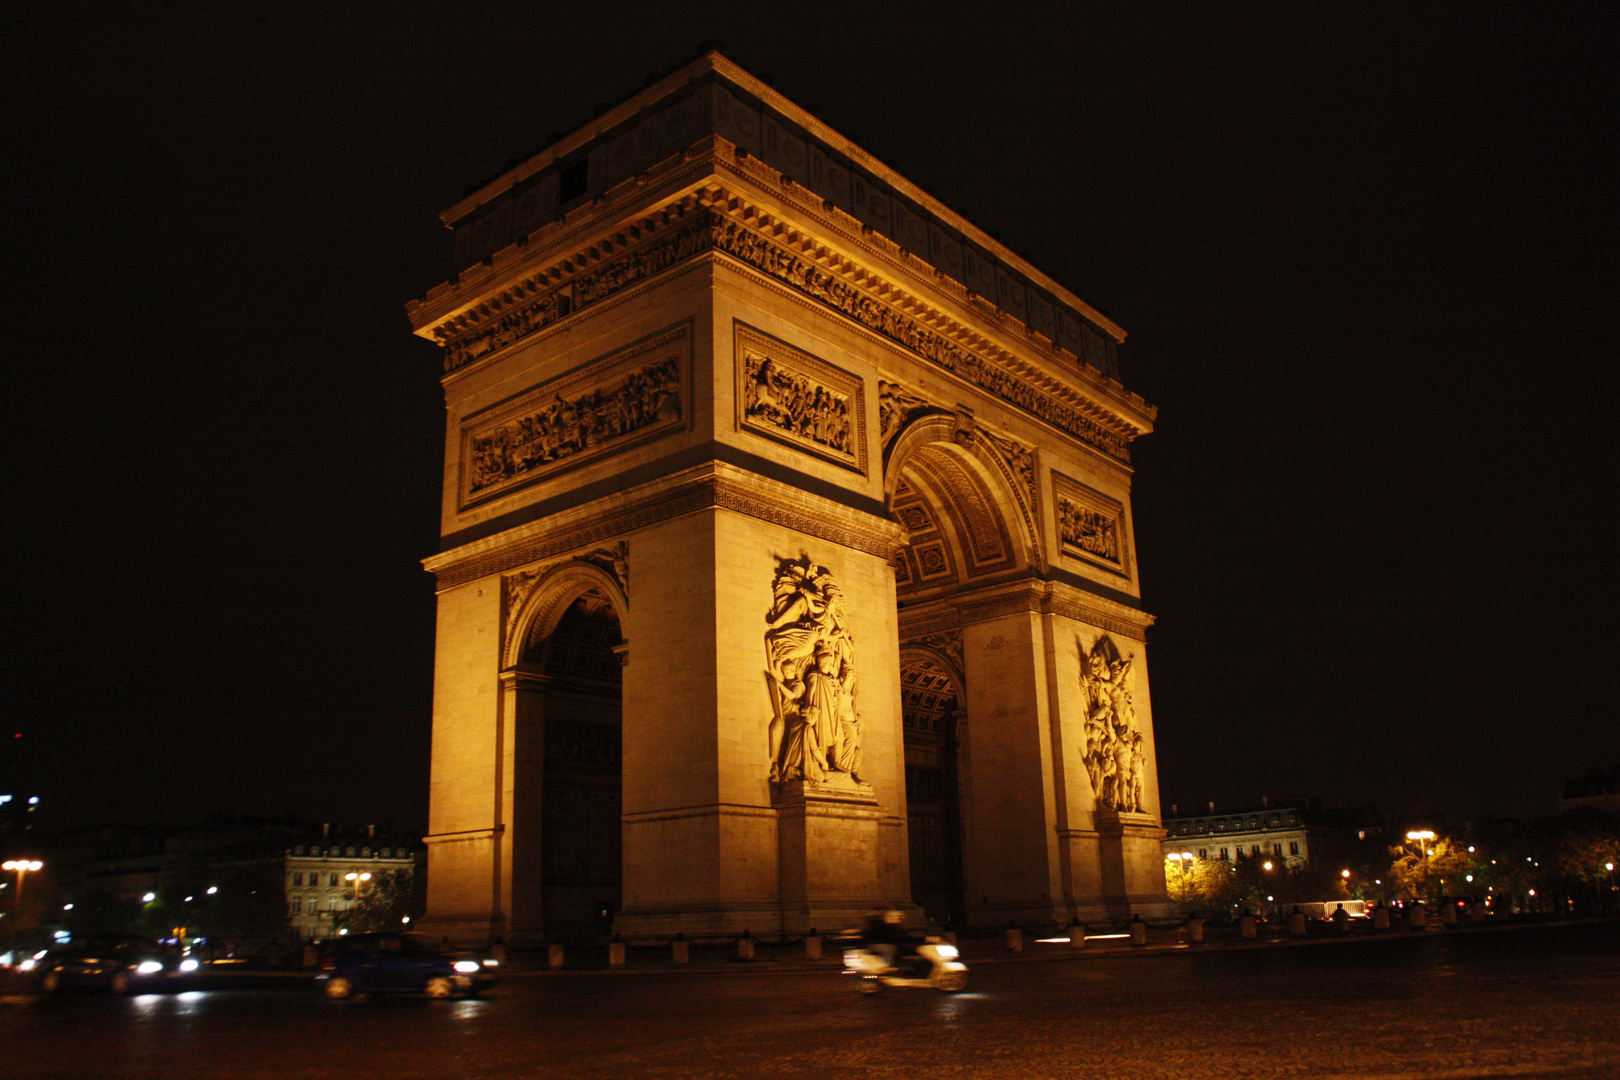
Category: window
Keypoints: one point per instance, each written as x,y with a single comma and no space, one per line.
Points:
1203,853
296,907
1223,854
1276,849
365,853
349,852
298,878
1293,847
1200,829
331,880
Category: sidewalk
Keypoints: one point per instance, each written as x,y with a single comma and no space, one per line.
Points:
1038,947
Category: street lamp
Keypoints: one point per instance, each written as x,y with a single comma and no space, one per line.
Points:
22,867
1422,836
356,879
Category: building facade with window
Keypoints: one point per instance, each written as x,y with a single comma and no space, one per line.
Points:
322,879
1283,834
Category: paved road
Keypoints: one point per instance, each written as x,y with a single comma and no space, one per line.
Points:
1534,1003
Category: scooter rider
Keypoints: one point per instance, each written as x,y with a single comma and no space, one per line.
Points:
887,936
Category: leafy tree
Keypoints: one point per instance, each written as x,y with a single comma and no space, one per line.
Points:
1205,882
380,904
1429,872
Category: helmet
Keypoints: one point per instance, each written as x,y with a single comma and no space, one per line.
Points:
894,916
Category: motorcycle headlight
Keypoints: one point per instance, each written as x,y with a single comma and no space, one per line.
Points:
946,951
466,967
148,967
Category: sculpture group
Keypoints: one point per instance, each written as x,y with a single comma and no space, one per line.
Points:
1115,756
815,730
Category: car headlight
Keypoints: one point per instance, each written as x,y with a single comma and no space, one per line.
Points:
492,963
946,951
148,967
189,964
28,964
466,967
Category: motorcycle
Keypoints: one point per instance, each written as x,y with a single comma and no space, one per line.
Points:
936,963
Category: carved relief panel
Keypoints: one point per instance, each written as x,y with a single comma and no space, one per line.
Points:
788,395
1091,526
815,729
600,408
1116,754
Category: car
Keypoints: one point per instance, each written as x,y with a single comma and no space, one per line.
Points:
401,963
122,963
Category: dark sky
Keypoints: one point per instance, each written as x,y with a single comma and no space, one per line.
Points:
1363,252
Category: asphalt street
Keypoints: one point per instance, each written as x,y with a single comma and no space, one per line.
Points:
1542,1002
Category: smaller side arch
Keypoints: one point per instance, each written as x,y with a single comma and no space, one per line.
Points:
550,596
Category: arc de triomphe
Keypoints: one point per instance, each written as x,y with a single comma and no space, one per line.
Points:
787,563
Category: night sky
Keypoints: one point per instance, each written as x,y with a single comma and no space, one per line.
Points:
1363,251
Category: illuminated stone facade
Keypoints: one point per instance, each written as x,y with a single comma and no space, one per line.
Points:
787,563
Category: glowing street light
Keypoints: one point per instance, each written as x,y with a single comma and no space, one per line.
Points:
356,879
21,867
1422,836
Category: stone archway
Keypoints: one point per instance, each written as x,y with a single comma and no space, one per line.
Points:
564,677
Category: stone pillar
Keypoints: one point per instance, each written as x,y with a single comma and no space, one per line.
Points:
1015,871
523,793
712,844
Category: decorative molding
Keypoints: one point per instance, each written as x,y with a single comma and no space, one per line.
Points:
711,485
695,224
1039,597
807,276
1090,525
602,407
570,286
788,395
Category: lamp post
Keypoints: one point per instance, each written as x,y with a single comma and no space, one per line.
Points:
355,880
21,867
1422,836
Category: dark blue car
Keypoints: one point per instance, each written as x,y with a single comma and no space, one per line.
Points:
401,963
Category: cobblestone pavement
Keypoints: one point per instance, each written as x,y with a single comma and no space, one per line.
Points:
1537,1003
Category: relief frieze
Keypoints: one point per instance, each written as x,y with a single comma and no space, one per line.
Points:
791,396
1091,526
597,409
